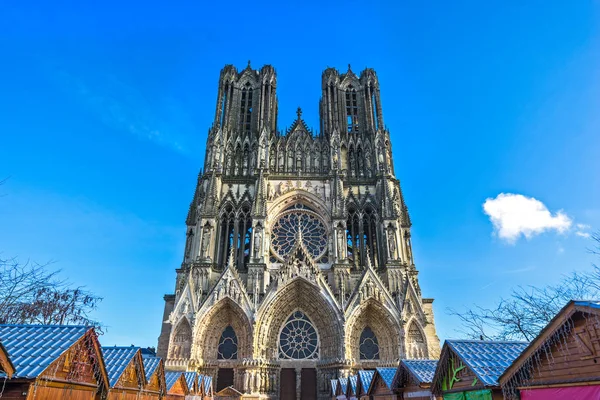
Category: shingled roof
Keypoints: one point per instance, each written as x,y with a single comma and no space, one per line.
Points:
422,370
487,359
32,348
116,360
171,378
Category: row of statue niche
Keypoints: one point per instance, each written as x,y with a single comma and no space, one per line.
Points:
260,381
360,164
274,191
180,351
278,163
370,290
296,268
306,161
228,288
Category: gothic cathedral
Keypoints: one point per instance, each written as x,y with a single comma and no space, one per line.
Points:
298,265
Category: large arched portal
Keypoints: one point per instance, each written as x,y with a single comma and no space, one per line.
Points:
300,328
372,335
223,338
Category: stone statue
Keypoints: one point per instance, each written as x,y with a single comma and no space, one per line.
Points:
257,243
391,243
340,244
205,242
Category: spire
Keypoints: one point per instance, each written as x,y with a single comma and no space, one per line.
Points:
230,261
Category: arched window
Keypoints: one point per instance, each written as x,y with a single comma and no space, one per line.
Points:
246,107
370,234
228,345
368,346
351,109
353,235
224,104
374,107
361,231
235,232
298,339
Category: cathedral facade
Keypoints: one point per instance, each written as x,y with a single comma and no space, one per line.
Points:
298,264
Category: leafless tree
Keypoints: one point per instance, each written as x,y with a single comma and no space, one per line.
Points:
523,314
31,293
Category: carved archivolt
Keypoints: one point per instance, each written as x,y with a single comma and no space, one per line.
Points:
300,295
374,315
210,328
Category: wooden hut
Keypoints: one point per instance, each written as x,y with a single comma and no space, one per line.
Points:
469,369
7,369
414,378
352,387
52,362
176,385
334,389
125,372
563,361
382,386
229,393
365,376
342,386
155,386
194,385
207,387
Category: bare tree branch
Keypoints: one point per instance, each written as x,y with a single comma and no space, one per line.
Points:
528,309
31,293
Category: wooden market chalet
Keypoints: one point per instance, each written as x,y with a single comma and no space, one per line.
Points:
67,362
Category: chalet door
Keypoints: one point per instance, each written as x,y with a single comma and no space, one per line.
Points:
224,378
287,384
308,386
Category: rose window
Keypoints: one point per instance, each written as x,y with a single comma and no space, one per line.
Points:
299,223
298,339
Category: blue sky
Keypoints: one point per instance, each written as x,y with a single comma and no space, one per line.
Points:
105,111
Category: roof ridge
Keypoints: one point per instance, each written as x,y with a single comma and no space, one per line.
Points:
486,341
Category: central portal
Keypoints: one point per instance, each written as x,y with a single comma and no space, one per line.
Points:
292,379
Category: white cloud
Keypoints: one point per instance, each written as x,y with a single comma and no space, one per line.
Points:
583,231
514,215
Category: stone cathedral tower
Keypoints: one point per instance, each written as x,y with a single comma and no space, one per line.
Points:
298,266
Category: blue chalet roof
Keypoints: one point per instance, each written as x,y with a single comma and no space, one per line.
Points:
365,376
487,359
423,370
32,348
354,383
150,365
116,360
387,374
343,384
207,383
171,377
587,303
190,378
334,383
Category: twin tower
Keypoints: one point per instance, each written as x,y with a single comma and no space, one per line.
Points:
298,264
